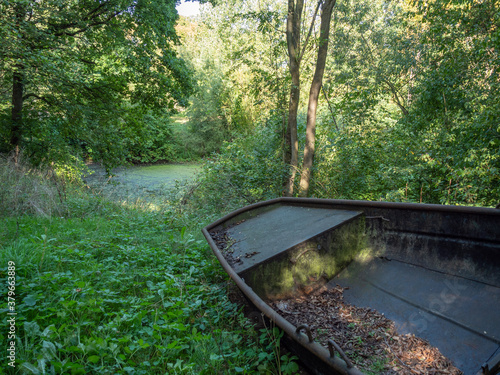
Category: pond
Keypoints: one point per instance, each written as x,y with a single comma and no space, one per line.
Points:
140,181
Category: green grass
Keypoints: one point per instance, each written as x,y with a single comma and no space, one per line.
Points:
116,289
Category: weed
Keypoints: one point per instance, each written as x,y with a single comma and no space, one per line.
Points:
285,364
120,288
26,189
378,367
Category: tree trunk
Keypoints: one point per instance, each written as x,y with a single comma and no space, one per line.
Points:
17,90
293,42
326,16
17,107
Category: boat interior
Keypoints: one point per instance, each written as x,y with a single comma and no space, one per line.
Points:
434,271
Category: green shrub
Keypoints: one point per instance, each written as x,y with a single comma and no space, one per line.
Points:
247,170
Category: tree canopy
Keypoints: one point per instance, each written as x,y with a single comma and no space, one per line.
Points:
408,108
84,74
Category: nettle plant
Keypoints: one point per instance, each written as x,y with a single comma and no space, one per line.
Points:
120,291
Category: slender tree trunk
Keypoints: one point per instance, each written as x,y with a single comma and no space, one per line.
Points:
17,107
293,42
292,142
326,16
17,90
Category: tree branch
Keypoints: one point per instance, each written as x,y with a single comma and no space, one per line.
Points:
392,88
88,26
92,18
85,61
33,95
330,107
395,95
310,31
93,14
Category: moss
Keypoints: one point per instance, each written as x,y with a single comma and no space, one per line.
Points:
157,174
141,181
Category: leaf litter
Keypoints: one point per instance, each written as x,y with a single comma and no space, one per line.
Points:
367,337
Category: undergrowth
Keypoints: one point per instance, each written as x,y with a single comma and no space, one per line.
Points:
109,287
25,189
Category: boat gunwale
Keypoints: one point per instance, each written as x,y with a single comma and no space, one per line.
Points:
315,348
374,204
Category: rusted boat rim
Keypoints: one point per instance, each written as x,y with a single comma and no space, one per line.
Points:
379,204
316,349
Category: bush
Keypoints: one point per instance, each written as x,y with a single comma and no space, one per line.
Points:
247,170
152,142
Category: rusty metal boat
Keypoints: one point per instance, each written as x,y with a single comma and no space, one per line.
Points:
434,270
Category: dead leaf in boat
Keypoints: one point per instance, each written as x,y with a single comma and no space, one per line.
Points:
363,333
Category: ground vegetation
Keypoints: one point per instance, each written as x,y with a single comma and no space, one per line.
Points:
407,110
112,283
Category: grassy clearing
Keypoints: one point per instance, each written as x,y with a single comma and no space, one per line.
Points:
108,287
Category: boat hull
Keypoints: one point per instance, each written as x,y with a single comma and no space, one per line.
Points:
434,270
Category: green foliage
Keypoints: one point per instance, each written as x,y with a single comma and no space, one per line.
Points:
270,338
456,103
26,189
413,104
396,162
86,72
119,288
151,141
209,123
350,164
247,170
238,56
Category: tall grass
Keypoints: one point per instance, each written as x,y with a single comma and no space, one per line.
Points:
25,189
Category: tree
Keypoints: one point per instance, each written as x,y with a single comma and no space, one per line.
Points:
77,73
237,51
440,143
326,16
456,104
295,54
293,25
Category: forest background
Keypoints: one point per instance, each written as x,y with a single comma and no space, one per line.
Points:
408,111
408,106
